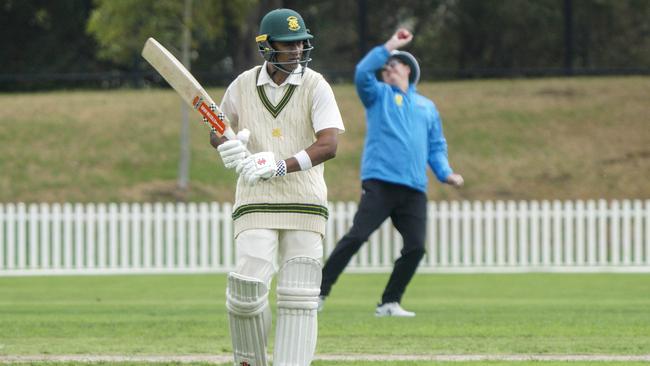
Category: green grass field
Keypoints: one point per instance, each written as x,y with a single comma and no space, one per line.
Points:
496,314
564,138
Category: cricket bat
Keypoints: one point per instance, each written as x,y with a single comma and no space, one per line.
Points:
187,87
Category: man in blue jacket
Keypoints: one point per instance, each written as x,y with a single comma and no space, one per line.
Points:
404,134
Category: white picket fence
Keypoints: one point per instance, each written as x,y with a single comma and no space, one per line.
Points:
40,239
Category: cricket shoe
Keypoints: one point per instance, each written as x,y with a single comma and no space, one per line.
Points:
392,309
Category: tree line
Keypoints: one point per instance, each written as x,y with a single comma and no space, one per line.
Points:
98,42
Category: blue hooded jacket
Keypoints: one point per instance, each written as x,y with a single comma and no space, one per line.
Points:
404,131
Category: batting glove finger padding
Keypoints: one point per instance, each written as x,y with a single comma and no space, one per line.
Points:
234,151
245,165
258,166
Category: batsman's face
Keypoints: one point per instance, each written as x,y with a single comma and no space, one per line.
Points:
395,72
289,53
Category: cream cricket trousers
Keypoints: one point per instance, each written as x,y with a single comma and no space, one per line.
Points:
276,246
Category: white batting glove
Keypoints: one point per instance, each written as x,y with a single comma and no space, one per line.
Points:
260,166
233,152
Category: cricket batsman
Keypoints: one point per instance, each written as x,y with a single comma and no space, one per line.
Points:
289,121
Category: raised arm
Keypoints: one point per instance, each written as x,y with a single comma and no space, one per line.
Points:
365,76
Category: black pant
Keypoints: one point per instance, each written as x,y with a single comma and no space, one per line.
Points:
407,209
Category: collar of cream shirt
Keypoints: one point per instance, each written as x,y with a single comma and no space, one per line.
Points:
265,78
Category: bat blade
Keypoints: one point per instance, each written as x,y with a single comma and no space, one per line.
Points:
186,86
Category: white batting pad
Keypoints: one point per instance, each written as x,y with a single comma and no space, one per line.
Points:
297,326
250,319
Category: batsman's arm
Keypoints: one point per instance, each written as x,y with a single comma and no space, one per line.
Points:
323,149
327,124
263,166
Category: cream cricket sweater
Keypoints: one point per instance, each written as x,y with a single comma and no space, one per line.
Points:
297,201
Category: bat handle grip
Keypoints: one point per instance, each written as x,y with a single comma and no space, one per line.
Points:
230,134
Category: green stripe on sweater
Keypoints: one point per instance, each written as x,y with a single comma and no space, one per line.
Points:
302,208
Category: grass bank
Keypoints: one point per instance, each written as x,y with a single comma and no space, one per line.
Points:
556,138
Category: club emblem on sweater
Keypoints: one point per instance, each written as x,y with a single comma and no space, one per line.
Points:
276,132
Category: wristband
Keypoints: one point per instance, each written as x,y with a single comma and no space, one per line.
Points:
303,160
281,168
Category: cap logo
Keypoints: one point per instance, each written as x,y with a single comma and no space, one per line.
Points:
293,23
